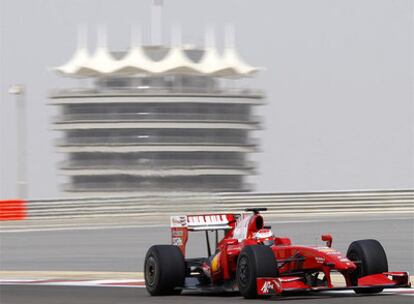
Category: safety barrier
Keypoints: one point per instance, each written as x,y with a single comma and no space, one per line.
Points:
282,204
12,210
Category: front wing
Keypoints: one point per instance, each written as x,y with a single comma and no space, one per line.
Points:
280,285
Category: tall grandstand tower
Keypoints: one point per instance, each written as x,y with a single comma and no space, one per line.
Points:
157,118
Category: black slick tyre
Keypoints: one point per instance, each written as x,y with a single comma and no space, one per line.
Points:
164,270
371,259
253,262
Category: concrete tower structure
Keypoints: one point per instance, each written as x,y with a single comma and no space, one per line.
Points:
157,118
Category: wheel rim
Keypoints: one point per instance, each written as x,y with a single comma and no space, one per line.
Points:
244,271
150,271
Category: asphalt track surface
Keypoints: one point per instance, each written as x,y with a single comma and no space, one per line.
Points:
123,249
110,295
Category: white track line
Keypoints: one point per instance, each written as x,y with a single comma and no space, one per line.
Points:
109,226
130,283
80,282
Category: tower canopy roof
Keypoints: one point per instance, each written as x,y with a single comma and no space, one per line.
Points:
177,60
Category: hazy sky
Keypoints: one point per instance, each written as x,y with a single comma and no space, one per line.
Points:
339,83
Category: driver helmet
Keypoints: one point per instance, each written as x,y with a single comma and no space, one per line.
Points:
265,236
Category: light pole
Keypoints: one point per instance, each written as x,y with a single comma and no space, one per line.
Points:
19,90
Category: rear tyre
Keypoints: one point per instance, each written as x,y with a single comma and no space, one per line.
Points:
372,259
164,270
253,262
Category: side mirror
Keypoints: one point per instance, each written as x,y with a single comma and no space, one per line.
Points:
231,241
328,239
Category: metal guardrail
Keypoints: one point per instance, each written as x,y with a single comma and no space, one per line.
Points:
280,204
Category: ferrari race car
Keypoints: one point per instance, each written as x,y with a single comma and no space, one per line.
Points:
250,259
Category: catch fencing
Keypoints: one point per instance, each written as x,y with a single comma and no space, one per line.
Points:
278,204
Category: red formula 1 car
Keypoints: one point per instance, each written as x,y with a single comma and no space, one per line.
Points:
250,259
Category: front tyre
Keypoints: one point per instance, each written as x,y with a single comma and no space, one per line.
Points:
254,262
164,270
371,259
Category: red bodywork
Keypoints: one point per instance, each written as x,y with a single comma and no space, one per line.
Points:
297,265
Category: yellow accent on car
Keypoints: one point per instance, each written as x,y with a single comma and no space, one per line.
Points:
215,263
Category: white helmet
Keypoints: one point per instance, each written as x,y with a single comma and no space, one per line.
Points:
265,236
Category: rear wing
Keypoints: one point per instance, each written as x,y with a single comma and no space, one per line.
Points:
182,224
204,222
